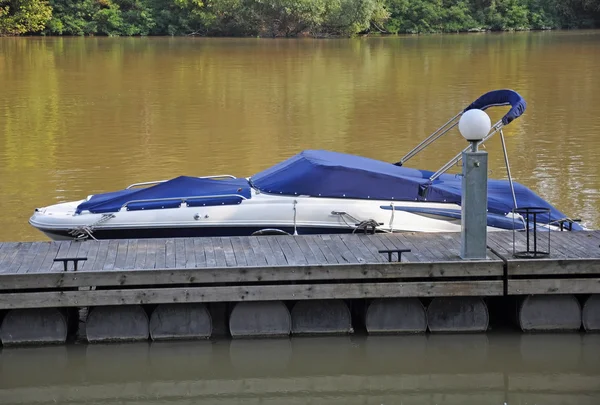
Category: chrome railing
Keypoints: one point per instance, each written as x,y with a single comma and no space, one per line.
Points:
441,131
495,128
146,183
182,199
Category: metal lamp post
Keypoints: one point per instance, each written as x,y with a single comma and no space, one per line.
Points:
474,125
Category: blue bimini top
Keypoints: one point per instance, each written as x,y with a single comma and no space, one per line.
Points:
170,194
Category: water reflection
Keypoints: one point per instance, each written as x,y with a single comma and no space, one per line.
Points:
434,369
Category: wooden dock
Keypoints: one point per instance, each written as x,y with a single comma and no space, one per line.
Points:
310,284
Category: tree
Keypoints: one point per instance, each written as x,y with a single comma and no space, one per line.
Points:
347,17
23,16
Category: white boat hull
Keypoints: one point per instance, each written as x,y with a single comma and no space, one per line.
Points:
290,214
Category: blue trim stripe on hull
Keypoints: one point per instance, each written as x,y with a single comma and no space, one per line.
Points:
138,233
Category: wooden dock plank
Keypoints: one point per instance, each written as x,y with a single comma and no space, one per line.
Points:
169,253
36,264
297,253
327,243
209,252
199,252
48,261
316,245
554,286
423,247
347,253
400,242
315,273
384,241
27,258
310,257
152,246
111,255
582,247
556,247
342,255
4,249
101,255
591,247
219,252
371,247
180,256
10,251
92,254
451,245
309,241
407,241
17,259
276,249
238,252
358,249
243,249
283,244
78,249
190,254
63,251
141,254
230,259
74,249
161,254
267,250
545,267
502,243
259,254
249,293
375,244
433,251
121,258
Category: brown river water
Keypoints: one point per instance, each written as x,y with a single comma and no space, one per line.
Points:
86,115
493,369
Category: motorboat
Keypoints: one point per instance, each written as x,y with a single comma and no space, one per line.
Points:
314,191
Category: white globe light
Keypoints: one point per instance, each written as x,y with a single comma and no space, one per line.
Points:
474,125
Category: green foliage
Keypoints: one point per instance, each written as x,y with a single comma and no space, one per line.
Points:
73,17
23,16
289,18
347,17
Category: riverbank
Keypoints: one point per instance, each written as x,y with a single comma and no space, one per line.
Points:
289,18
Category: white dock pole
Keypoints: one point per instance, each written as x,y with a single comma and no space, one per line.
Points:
474,125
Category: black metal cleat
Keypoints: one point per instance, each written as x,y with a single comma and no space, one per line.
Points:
66,260
390,251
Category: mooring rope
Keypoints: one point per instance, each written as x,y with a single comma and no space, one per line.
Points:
85,231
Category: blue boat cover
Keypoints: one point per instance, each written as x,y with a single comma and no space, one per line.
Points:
499,98
225,192
337,175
